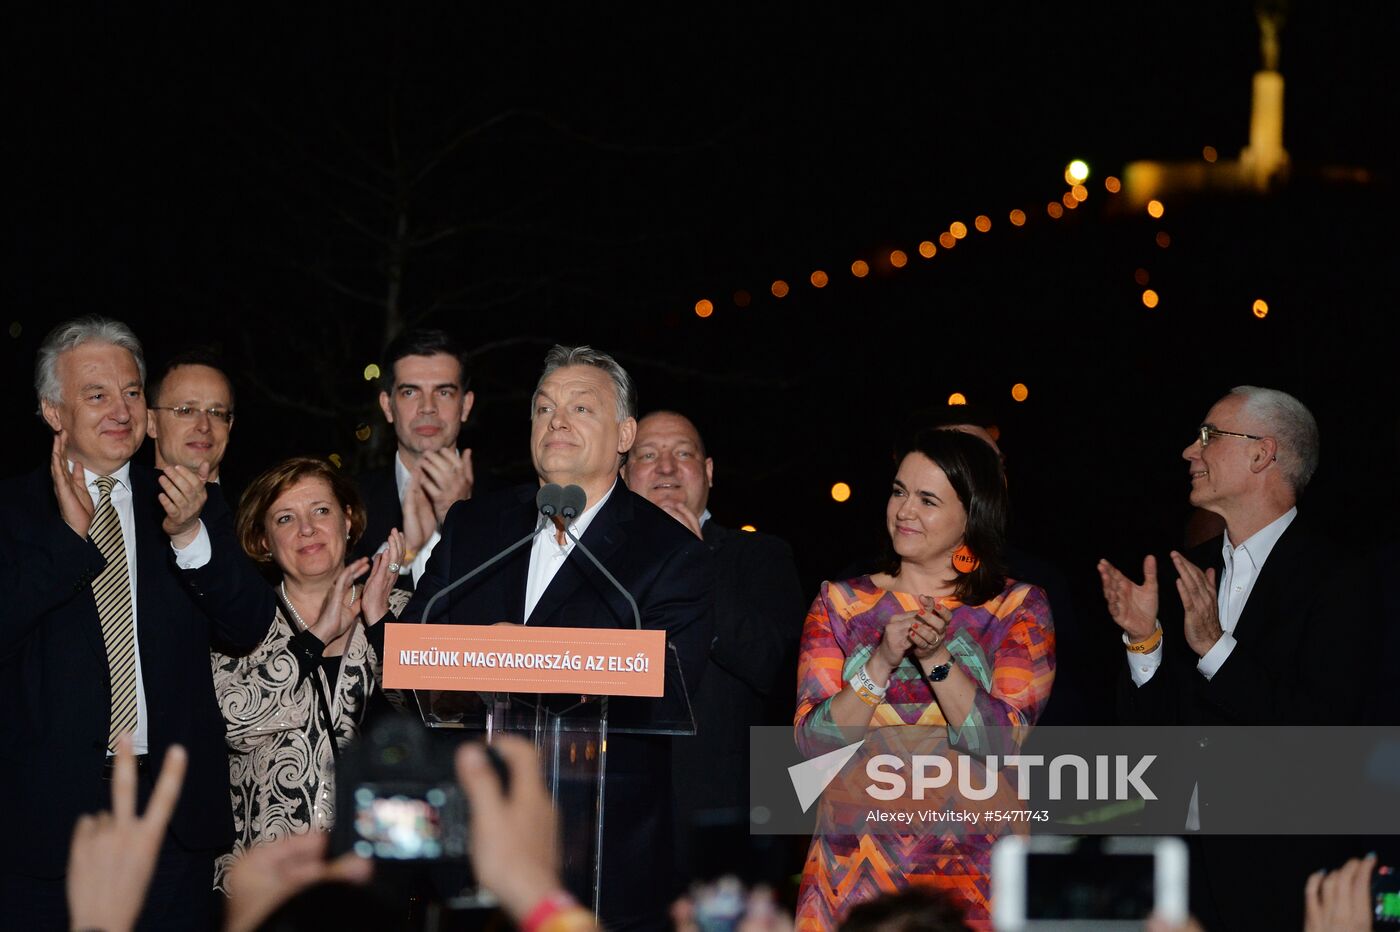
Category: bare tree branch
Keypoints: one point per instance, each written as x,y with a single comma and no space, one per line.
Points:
255,379
559,128
363,230
325,278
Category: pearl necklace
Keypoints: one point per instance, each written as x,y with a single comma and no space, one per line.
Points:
296,616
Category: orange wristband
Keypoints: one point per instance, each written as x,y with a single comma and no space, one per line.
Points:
1147,645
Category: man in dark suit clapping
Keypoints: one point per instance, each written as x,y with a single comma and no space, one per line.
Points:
102,634
426,400
1259,632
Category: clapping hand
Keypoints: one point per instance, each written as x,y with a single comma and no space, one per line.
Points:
447,478
183,496
1133,606
374,606
70,488
338,611
930,628
1198,600
419,520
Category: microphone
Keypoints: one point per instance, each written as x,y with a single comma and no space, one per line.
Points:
549,498
572,501
547,502
571,506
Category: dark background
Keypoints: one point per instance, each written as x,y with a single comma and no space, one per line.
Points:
291,183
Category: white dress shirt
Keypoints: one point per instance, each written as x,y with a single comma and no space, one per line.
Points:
547,554
420,562
192,557
1242,565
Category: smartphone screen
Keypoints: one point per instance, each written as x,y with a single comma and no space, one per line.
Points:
1385,892
1063,882
1089,885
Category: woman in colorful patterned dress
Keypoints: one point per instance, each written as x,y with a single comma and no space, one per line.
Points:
300,696
940,639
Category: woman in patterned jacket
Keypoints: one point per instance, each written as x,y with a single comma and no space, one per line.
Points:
939,652
300,696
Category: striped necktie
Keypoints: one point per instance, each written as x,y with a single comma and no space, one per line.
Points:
112,591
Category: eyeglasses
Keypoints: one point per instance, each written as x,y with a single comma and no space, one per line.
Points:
1207,432
190,412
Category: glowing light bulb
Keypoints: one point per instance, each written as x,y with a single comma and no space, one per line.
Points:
704,307
840,492
1019,391
860,268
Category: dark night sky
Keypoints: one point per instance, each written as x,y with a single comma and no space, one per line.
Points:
202,174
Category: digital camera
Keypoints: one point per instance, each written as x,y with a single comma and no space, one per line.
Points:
397,796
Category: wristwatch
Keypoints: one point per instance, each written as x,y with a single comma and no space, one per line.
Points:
940,673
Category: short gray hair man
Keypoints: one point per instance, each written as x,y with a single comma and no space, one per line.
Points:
75,333
1291,424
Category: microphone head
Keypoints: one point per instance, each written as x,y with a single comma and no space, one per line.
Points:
548,499
573,501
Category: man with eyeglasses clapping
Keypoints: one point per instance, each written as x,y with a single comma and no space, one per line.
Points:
1254,627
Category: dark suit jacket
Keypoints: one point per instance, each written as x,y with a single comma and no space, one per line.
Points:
54,684
759,610
1294,663
379,492
670,574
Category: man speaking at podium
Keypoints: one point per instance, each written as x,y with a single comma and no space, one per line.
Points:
582,423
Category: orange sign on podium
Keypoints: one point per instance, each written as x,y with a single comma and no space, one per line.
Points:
522,659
